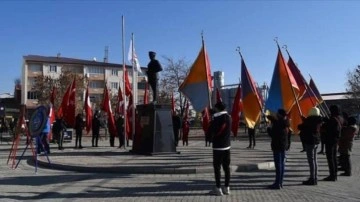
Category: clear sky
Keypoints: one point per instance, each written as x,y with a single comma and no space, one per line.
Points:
323,37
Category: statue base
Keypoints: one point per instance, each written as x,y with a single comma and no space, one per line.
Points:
154,131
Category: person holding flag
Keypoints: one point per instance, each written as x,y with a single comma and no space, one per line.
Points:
176,121
120,130
220,130
79,126
279,142
95,128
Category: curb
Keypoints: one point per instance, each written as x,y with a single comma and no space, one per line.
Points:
150,170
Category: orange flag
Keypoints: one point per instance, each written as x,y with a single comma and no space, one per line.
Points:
283,89
252,105
198,80
235,112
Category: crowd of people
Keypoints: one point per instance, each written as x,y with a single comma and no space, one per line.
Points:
334,131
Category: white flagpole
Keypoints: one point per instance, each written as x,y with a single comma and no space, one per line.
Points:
123,83
134,73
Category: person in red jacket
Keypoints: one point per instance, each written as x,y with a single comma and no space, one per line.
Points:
186,129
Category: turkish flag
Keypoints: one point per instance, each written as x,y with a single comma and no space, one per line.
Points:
88,111
106,106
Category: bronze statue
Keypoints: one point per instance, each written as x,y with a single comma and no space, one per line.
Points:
154,67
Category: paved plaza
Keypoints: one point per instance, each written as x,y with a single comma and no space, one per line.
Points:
112,174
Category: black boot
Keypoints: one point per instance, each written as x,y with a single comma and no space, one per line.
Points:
330,178
310,181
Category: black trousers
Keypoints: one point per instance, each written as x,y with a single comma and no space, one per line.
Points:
331,158
78,138
345,163
251,133
60,139
121,138
112,140
176,136
221,158
95,139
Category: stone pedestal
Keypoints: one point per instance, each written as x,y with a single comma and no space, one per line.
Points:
154,130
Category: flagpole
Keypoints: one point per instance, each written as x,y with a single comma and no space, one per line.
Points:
308,89
292,89
206,70
298,71
327,108
124,66
134,73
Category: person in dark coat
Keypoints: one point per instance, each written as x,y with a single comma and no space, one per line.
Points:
113,134
95,129
310,128
79,126
58,131
120,130
176,121
279,143
345,145
251,133
322,139
154,67
220,130
333,130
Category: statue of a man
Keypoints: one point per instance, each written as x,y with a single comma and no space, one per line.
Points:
154,67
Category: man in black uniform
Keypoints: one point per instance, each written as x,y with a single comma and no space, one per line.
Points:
154,67
176,120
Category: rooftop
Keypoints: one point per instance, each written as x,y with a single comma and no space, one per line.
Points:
65,60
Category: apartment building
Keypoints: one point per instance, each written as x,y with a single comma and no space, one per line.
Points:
96,72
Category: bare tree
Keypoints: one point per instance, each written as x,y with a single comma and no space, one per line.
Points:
44,84
172,76
353,82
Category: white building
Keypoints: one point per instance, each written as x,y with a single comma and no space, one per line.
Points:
96,72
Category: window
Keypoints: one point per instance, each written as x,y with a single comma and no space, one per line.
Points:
53,68
31,81
96,84
32,95
114,85
114,72
35,67
95,98
142,85
96,70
